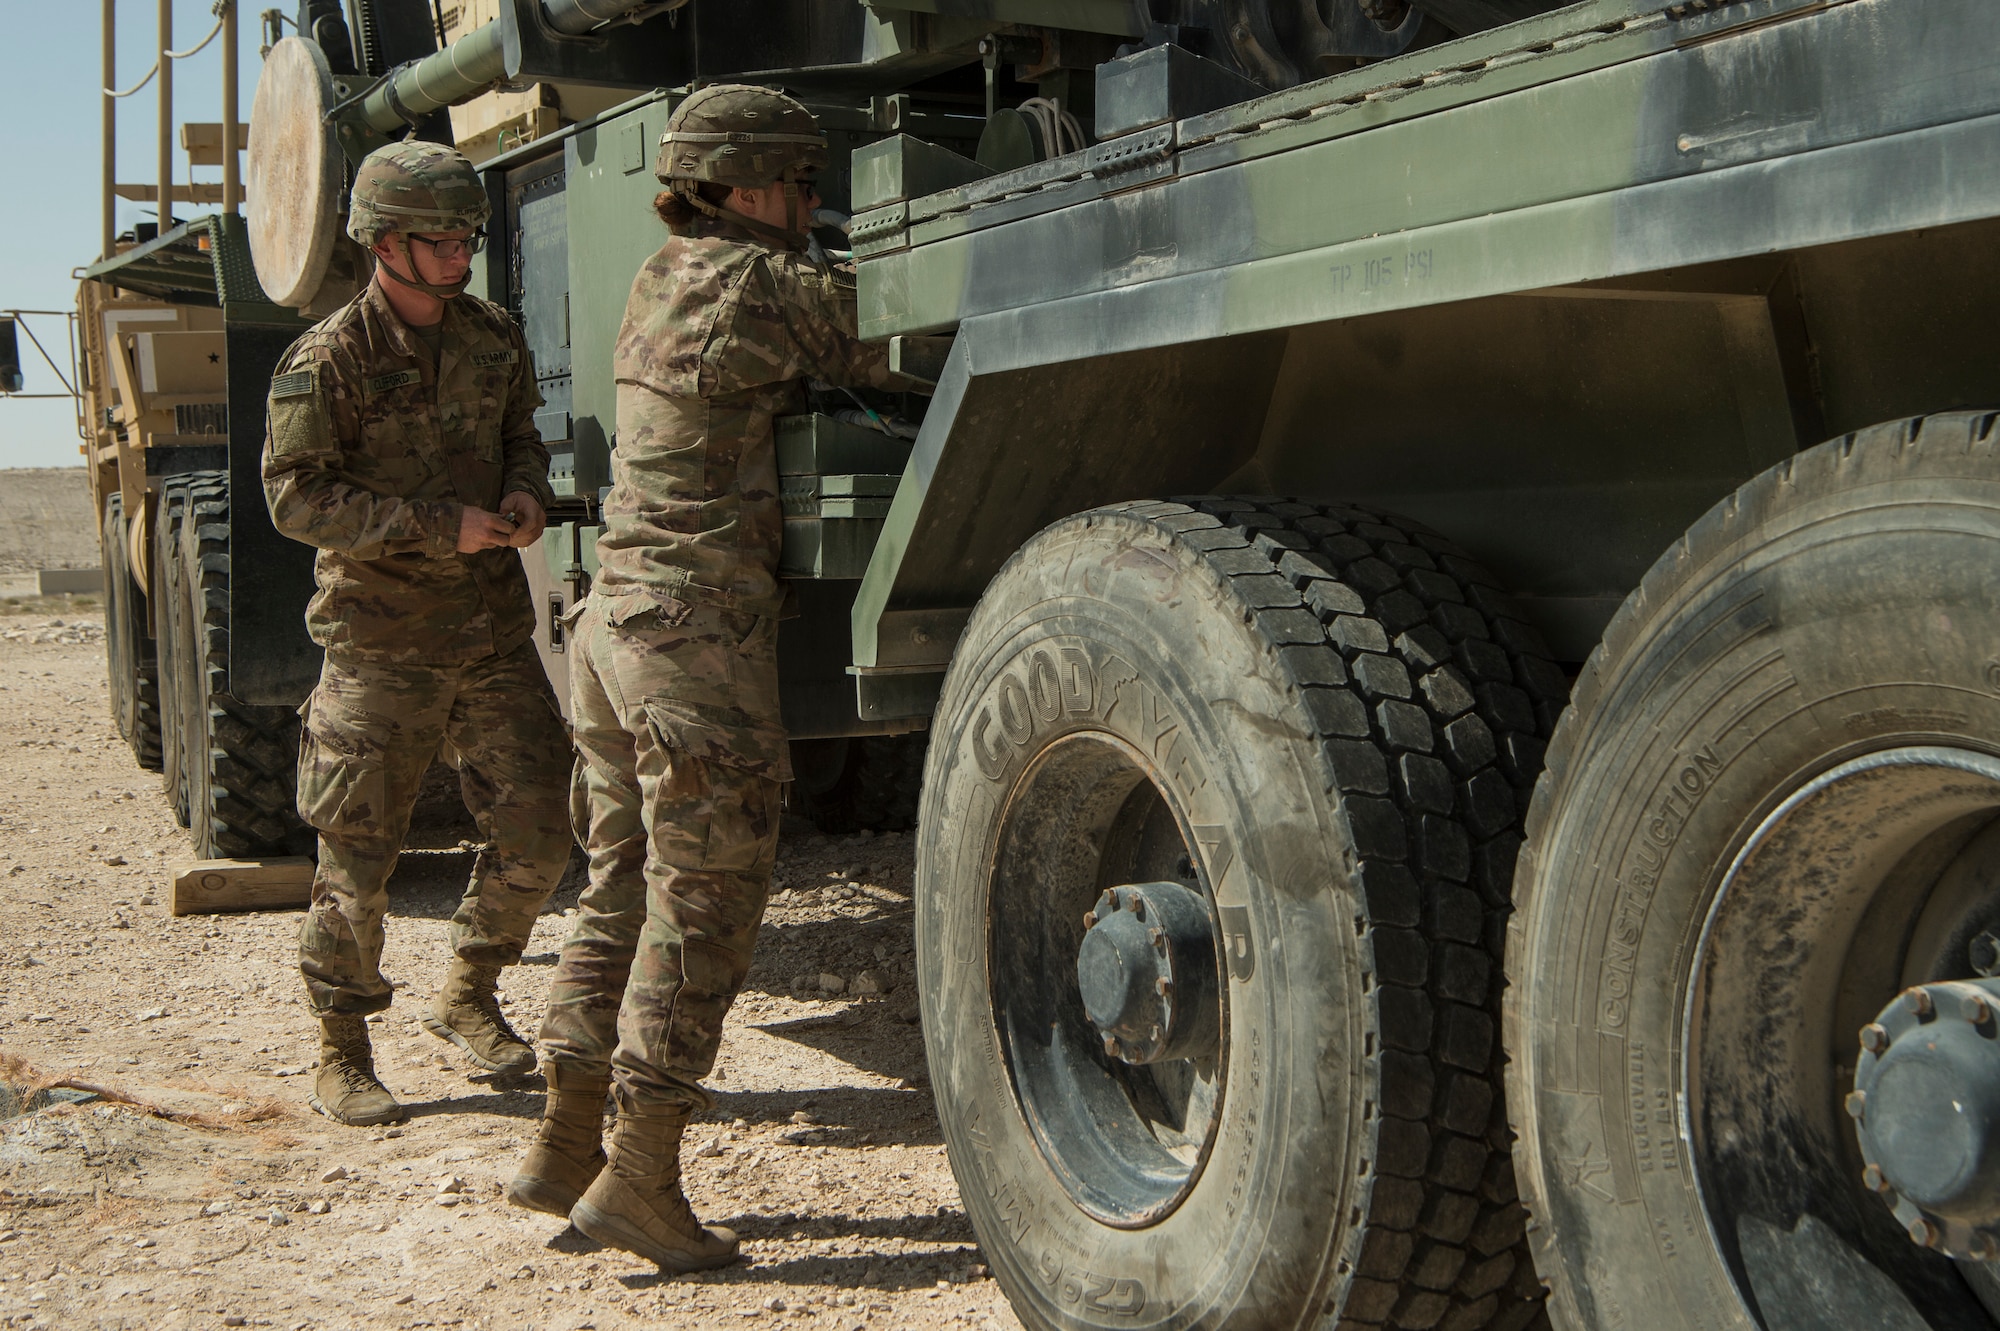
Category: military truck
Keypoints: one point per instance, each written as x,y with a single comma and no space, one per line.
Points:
1448,574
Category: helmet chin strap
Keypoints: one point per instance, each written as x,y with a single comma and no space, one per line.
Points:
792,205
429,288
793,238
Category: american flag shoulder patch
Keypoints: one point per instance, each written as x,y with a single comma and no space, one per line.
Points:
299,383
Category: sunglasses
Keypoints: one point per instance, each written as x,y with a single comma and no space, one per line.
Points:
450,247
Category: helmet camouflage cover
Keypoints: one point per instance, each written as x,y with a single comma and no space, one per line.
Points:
739,134
415,187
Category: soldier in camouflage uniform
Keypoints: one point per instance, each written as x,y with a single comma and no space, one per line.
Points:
674,681
403,445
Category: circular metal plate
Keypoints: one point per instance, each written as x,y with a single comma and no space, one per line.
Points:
294,173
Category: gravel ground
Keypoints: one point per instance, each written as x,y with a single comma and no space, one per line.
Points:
217,1198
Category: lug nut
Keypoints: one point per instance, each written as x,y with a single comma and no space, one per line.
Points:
1984,953
1874,1038
1164,987
1138,905
1918,1001
1923,1233
1873,1179
1975,1010
1090,919
1111,1045
1982,1247
1158,937
1857,1103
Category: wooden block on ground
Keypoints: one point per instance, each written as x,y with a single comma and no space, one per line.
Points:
206,886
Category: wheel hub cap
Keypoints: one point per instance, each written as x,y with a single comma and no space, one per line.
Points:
1146,973
1926,1105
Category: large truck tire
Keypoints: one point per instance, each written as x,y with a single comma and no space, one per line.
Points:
129,664
240,762
869,783
174,648
1309,732
1770,807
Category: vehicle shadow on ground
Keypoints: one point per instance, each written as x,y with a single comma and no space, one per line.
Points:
897,1118
429,882
523,1101
900,1271
865,1039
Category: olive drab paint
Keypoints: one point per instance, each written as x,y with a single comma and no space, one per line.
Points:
1381,227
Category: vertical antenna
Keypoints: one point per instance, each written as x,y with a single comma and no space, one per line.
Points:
110,41
166,78
231,170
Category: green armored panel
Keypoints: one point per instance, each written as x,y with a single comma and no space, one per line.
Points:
811,506
900,167
828,547
842,487
820,445
1162,84
612,231
832,522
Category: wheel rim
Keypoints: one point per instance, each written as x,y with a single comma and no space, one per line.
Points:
1870,877
1126,1141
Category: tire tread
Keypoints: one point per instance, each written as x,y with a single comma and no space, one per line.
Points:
129,655
1432,699
250,766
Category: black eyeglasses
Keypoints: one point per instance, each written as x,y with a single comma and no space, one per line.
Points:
450,247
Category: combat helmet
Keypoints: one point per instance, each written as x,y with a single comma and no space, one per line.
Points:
740,135
416,187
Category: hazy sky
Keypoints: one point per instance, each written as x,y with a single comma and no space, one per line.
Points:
50,192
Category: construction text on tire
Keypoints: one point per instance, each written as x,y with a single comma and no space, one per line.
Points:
1770,808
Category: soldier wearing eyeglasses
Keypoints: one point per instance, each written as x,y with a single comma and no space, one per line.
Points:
403,446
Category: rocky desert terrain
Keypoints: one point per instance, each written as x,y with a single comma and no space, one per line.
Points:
173,1176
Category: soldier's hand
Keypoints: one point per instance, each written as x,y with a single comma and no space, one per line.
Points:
529,518
480,530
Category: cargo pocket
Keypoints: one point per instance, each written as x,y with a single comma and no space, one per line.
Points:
762,637
343,779
718,803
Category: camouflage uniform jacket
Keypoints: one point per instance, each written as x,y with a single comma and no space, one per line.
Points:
721,329
371,455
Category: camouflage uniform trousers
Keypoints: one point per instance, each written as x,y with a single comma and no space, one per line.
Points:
370,732
680,752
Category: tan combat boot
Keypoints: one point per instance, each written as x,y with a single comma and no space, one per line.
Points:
467,1013
637,1204
568,1152
345,1089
